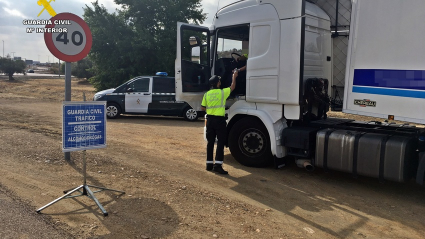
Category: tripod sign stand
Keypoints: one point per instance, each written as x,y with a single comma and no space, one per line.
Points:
84,190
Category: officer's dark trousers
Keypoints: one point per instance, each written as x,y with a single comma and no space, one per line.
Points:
216,126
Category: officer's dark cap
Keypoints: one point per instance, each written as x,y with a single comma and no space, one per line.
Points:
214,80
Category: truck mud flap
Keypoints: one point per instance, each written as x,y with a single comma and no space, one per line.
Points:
279,162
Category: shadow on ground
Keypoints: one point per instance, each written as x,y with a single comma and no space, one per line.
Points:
331,197
140,217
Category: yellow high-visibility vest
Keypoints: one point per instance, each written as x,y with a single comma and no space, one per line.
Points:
215,101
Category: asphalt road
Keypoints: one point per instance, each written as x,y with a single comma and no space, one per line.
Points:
39,74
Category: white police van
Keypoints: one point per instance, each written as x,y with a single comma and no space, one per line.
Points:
149,95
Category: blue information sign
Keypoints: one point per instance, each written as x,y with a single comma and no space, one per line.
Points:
83,126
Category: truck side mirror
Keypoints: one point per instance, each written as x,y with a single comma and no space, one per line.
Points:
129,90
194,41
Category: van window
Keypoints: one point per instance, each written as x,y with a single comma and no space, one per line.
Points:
163,85
140,85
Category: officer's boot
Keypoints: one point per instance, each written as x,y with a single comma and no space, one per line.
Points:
219,169
210,166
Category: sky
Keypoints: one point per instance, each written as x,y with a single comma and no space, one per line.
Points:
15,41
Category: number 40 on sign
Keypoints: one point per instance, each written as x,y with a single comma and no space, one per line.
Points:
76,38
72,45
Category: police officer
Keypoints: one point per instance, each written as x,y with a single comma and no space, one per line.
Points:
214,103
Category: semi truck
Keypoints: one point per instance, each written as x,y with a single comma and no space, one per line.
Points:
279,109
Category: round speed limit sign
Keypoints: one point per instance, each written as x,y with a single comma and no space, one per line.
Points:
68,37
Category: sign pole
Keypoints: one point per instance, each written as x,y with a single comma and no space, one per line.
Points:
67,81
67,95
84,167
83,124
84,155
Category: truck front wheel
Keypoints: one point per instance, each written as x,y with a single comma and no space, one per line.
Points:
249,143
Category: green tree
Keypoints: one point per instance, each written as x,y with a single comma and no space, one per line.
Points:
11,67
62,68
110,48
81,69
140,39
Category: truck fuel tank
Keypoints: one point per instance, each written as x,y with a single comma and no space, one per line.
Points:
383,156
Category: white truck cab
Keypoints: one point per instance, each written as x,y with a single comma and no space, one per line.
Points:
279,107
287,42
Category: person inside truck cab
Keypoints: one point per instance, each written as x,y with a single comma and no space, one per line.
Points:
214,103
241,78
241,62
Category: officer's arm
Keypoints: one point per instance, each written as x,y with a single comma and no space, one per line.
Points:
233,86
204,102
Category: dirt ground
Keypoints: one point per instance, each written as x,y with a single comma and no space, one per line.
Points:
160,164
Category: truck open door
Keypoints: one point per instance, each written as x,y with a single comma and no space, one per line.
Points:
192,64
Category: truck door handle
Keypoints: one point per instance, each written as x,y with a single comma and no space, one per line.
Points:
146,93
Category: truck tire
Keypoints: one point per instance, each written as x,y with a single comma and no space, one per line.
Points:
249,143
113,110
190,114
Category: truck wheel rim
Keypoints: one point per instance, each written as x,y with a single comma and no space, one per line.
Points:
111,111
191,114
252,142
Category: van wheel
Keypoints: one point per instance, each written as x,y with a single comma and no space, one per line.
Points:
190,114
249,143
113,110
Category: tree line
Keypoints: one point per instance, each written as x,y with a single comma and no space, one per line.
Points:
138,39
